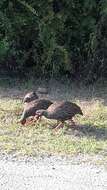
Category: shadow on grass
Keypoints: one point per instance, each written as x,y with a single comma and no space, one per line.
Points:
87,131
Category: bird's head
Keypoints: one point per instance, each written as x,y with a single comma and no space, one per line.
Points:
30,97
41,113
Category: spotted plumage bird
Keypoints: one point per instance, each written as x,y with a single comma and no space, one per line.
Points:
31,108
61,111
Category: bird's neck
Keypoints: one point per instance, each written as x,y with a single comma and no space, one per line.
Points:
45,113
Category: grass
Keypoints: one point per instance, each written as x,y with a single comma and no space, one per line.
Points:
90,136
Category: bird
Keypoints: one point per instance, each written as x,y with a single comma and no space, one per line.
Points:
30,97
31,108
60,111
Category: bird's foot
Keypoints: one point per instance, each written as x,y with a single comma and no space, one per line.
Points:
72,124
56,129
29,122
52,126
37,118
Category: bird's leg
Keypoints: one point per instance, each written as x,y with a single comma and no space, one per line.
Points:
60,125
54,126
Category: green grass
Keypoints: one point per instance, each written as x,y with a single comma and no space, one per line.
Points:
90,136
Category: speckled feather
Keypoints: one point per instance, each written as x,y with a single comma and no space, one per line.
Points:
31,107
63,110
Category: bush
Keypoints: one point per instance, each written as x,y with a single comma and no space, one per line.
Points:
54,38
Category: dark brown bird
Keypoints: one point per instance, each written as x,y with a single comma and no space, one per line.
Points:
30,97
61,111
31,108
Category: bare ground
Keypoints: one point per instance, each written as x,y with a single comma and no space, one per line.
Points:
51,172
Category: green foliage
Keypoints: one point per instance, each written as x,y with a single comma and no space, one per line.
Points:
4,47
54,38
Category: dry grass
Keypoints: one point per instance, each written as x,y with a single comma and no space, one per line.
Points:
90,136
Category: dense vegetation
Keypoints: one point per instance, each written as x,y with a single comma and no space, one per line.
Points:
54,38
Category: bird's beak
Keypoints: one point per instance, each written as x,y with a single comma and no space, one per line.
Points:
38,114
81,113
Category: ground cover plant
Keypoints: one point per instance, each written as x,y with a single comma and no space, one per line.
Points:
90,136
